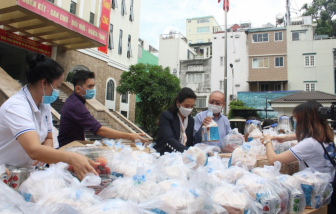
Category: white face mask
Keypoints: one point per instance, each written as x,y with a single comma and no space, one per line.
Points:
185,111
215,109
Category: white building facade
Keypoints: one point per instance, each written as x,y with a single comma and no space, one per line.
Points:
237,55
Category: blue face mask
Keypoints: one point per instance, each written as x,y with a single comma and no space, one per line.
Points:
52,98
90,93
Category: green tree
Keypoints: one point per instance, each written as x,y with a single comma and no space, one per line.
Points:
323,12
156,88
238,105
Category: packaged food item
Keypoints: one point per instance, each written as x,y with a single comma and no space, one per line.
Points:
315,186
169,184
208,149
245,155
210,132
136,188
195,155
251,125
258,147
285,125
235,199
232,174
77,195
41,183
255,134
4,177
233,140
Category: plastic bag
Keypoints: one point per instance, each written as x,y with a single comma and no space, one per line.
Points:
315,186
123,164
232,174
77,195
208,149
235,199
269,172
40,183
109,142
297,199
263,191
210,132
195,155
284,125
256,133
250,125
215,172
233,140
258,147
244,154
136,188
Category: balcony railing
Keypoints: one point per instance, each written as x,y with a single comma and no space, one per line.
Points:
174,36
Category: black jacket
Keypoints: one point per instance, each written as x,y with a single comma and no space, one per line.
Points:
168,138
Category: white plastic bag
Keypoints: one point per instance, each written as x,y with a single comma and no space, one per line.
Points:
208,149
244,154
233,140
195,155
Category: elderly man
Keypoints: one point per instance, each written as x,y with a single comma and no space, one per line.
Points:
216,103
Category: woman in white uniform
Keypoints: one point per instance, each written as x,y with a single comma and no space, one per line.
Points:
26,120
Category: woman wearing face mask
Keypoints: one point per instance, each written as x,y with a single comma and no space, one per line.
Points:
26,120
176,125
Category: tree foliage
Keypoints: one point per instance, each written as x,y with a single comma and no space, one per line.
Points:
156,88
323,12
238,105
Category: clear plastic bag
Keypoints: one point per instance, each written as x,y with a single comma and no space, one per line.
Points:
315,186
136,188
232,174
258,147
40,183
195,155
255,134
245,155
77,195
208,149
251,125
123,164
235,199
269,172
285,125
233,140
210,132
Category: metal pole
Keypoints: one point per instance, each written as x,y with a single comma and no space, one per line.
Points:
225,60
266,109
232,82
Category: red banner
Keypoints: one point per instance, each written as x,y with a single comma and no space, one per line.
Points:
105,21
225,2
25,43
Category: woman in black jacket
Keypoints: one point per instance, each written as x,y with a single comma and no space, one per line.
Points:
176,125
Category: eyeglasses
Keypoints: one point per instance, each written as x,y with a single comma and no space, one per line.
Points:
216,103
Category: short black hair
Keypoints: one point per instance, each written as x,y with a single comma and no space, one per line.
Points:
81,76
184,94
267,122
41,67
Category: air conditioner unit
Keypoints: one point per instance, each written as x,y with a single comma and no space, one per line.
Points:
232,97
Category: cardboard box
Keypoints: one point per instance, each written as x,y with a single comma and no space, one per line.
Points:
83,143
322,210
289,168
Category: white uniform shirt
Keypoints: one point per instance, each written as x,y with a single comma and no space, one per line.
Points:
311,151
18,115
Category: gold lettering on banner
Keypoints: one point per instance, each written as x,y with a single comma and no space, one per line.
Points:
93,33
74,23
64,18
82,27
41,7
101,37
54,13
105,20
107,5
30,2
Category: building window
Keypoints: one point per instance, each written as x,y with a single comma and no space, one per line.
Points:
199,41
203,29
114,4
110,90
200,103
110,39
260,63
203,20
124,113
129,47
264,87
221,84
309,61
131,17
123,8
260,37
195,78
92,18
279,62
310,86
221,60
120,42
124,98
278,36
299,36
277,87
195,67
73,6
52,1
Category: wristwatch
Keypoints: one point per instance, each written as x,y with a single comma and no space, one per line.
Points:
266,142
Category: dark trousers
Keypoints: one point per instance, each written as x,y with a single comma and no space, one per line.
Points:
332,205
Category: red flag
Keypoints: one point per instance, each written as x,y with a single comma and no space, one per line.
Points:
225,2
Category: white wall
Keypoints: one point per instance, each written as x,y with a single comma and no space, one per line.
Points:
237,49
322,72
